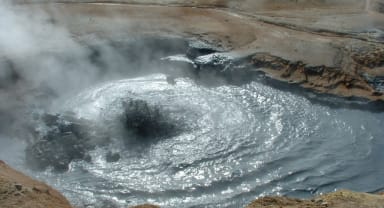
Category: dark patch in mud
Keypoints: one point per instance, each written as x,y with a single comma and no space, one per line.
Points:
146,121
62,139
8,74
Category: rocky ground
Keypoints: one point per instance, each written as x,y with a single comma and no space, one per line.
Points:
331,47
21,191
340,199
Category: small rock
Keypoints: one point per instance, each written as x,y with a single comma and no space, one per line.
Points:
318,201
36,189
325,204
18,187
377,93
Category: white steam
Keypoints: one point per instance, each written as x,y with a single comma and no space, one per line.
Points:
41,52
42,63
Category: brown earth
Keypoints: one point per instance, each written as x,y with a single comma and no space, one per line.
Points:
20,191
340,199
320,45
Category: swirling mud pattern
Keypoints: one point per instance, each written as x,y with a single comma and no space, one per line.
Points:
230,144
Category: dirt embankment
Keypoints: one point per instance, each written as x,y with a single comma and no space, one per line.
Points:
340,199
20,191
334,47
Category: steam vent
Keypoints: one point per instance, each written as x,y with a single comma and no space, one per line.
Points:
191,103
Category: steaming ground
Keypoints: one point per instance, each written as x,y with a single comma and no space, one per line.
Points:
233,143
240,142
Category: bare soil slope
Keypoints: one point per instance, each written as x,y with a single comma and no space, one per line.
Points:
325,47
340,199
20,191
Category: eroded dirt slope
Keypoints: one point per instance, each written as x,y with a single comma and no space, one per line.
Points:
327,47
340,199
20,191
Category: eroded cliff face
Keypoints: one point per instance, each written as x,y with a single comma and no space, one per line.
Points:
20,191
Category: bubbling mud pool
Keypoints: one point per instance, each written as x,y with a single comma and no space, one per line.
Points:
225,139
237,143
